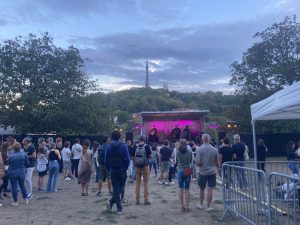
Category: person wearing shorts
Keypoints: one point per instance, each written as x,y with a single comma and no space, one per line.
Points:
184,160
208,161
103,172
165,154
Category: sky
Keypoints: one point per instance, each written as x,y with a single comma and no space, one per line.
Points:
189,44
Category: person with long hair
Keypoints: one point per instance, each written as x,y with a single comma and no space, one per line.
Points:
292,157
184,160
17,162
85,168
53,158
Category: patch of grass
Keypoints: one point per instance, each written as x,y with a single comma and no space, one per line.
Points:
220,202
43,198
130,217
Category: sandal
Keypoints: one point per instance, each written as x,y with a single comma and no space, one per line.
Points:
82,194
187,210
86,194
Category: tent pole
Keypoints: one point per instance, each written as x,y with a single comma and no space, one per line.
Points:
254,143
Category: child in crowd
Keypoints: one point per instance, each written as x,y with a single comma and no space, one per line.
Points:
41,167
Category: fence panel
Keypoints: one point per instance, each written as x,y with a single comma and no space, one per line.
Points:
245,193
284,194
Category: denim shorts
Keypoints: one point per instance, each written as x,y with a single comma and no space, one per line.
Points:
183,181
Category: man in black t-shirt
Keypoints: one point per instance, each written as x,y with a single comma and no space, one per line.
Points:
225,152
238,154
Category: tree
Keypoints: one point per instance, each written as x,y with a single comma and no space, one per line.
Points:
36,77
272,63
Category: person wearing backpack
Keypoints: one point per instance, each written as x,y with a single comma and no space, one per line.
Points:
117,161
153,162
103,172
142,153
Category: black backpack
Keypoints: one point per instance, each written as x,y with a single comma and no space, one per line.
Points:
115,157
101,154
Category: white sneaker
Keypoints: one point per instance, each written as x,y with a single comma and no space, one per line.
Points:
172,182
199,206
14,203
67,178
26,201
166,183
1,205
160,182
209,209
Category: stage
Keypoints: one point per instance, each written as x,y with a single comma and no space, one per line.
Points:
165,122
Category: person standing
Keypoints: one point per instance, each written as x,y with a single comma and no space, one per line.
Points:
85,168
95,148
184,160
104,173
239,149
186,133
41,167
2,172
131,165
4,153
53,158
153,161
66,157
142,153
208,162
292,157
117,161
261,154
76,152
165,154
29,149
17,162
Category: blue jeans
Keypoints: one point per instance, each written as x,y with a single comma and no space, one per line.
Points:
15,180
293,167
183,181
154,164
132,170
97,170
117,180
53,173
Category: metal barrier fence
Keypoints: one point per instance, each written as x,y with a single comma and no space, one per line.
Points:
260,197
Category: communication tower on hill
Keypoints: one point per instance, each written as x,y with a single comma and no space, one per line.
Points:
147,76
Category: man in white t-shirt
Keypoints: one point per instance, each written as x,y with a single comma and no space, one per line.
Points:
76,151
66,157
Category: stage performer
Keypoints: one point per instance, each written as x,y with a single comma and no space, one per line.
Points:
187,133
176,133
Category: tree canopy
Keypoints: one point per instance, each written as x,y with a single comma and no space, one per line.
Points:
271,63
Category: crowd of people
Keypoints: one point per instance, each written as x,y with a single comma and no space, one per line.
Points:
112,161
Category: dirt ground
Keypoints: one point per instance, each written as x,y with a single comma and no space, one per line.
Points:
67,207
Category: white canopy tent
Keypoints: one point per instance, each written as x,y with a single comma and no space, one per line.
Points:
284,104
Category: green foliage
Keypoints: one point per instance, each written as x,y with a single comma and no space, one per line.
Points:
272,63
39,82
266,67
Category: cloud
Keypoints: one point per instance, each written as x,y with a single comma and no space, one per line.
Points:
197,56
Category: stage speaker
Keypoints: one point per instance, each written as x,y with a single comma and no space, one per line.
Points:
129,136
